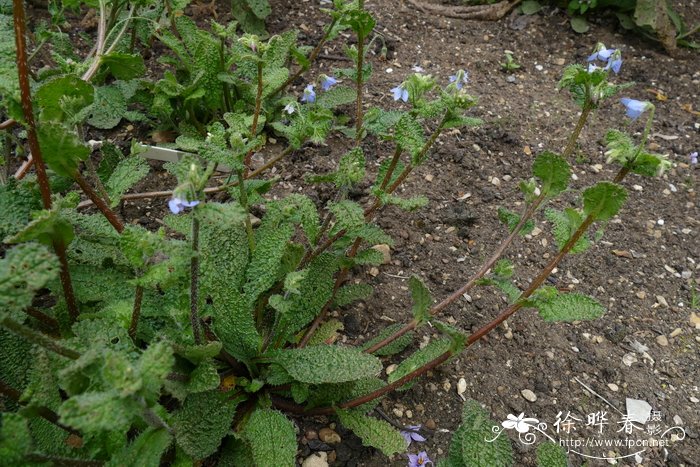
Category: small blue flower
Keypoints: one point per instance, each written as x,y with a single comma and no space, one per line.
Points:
614,64
603,54
419,460
177,205
400,93
328,82
694,158
635,108
460,79
289,108
309,94
592,67
411,433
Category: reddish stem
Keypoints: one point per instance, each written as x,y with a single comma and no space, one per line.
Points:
99,202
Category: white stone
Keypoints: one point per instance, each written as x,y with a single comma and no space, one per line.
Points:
528,395
317,459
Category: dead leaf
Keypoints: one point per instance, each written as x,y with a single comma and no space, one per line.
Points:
659,94
623,254
164,136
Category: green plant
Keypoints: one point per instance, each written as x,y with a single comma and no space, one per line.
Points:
510,65
147,348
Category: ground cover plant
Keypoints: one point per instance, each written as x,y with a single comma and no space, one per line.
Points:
194,344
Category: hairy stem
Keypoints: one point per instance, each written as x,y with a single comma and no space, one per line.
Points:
571,143
256,116
32,137
136,312
44,412
194,282
99,202
38,338
358,103
243,195
61,461
49,321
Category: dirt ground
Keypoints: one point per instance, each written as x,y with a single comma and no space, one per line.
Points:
645,269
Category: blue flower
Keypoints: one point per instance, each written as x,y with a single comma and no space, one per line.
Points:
177,205
460,79
592,67
693,160
411,433
614,64
328,82
419,460
635,108
309,94
400,93
289,108
603,54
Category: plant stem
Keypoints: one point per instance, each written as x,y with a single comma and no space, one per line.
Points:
571,143
194,278
312,57
256,116
96,179
49,321
99,202
136,312
42,177
392,166
243,195
43,412
38,338
61,461
358,103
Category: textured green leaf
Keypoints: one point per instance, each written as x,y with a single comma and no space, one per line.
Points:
108,109
234,324
409,136
419,358
63,97
17,201
565,223
327,364
422,300
98,411
350,293
603,200
61,149
126,174
512,220
551,455
359,21
272,438
650,165
154,365
336,96
373,432
530,7
263,270
314,291
553,171
24,270
351,169
407,204
204,377
327,331
348,215
569,307
395,347
123,65
475,430
324,395
580,24
15,439
45,227
203,421
15,367
145,450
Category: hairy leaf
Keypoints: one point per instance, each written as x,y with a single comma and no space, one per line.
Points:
419,358
603,200
553,171
99,411
203,421
108,109
272,438
409,136
350,293
124,66
337,96
565,223
395,347
569,307
512,220
24,270
422,300
61,149
145,450
63,97
550,454
128,173
475,429
15,439
327,364
373,432
16,204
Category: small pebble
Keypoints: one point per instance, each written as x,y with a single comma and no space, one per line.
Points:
496,181
430,424
678,420
539,67
317,459
613,387
676,332
662,340
328,436
661,301
391,368
528,395
429,178
694,400
385,250
641,294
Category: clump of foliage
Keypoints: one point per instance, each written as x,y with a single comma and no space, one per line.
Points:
125,346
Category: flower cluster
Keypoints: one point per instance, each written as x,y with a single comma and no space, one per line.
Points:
611,57
309,94
416,85
410,434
